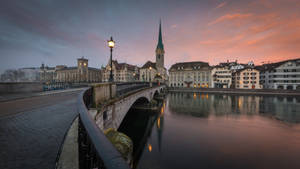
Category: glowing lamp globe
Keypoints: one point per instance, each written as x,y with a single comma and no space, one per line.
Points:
111,43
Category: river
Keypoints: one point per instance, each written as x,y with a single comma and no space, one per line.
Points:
219,131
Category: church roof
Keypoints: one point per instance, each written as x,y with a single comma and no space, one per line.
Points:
160,44
120,66
149,64
157,76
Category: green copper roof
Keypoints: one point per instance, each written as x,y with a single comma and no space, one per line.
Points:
160,43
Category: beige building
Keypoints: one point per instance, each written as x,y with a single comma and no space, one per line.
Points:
221,77
80,73
190,74
246,79
122,72
148,72
47,74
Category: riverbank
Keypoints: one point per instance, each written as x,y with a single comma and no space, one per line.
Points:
237,91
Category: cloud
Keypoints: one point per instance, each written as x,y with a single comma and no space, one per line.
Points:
229,17
173,26
221,5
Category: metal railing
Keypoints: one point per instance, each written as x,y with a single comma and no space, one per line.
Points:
92,154
123,88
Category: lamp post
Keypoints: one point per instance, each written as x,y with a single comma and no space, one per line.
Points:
134,76
111,44
150,84
150,73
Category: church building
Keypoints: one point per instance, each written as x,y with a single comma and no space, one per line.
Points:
154,72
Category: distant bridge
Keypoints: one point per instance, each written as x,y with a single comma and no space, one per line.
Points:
105,106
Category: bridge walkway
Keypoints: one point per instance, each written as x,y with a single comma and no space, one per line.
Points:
32,129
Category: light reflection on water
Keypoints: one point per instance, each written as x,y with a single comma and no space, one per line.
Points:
196,130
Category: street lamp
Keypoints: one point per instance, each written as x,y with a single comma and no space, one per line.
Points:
111,44
150,73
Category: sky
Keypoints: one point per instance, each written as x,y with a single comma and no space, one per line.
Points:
57,32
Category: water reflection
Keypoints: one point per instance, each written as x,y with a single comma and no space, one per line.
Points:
207,105
138,125
160,125
194,130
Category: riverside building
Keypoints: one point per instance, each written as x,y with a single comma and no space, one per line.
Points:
122,72
247,78
281,75
77,74
221,77
190,74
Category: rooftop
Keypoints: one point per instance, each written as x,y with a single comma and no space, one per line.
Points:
149,64
189,65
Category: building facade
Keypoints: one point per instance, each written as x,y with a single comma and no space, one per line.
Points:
281,75
80,73
122,72
247,78
148,72
190,74
221,77
47,74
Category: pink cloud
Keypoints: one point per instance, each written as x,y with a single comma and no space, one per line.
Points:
221,5
230,17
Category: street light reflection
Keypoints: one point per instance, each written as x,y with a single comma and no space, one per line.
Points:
149,147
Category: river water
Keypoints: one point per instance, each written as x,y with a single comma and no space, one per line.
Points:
218,131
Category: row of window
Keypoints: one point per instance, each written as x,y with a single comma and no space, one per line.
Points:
223,72
206,79
252,73
203,85
247,82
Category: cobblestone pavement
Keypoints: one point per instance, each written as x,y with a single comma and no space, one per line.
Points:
32,130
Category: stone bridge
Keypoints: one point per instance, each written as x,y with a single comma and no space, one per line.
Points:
111,113
105,106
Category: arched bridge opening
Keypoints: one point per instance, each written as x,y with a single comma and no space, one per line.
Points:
137,124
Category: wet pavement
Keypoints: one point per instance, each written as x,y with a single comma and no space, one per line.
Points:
32,130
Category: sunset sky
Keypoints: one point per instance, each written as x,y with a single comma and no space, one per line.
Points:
59,31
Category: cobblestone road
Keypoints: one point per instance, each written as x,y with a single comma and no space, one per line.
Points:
32,130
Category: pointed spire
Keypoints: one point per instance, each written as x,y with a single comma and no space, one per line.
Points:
160,44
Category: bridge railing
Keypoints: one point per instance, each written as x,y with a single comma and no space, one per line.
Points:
95,150
123,88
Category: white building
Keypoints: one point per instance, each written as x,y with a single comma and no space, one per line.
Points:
281,75
221,77
190,74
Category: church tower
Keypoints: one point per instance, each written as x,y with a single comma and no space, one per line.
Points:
82,68
160,52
